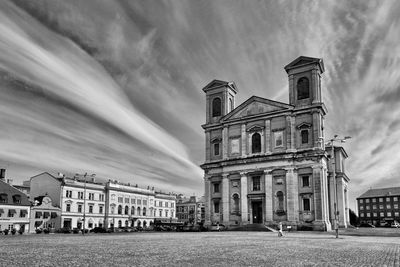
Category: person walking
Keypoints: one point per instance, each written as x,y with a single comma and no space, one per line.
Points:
280,229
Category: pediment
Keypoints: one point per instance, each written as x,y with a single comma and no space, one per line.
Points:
218,83
302,60
256,105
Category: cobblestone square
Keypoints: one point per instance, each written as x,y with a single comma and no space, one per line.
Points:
199,249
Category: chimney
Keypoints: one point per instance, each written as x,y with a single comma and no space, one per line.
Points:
2,174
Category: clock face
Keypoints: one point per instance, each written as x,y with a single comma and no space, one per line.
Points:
46,200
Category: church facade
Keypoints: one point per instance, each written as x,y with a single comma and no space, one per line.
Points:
266,161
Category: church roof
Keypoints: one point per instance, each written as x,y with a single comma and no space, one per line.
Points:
381,192
256,105
303,61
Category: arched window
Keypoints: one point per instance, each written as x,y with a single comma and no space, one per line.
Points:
144,224
256,143
279,196
303,88
126,223
133,210
144,211
126,210
119,209
119,224
235,207
138,211
216,107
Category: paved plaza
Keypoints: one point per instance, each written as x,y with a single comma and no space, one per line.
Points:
199,249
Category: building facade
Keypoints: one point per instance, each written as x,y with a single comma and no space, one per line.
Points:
88,202
379,206
44,215
266,160
14,208
190,210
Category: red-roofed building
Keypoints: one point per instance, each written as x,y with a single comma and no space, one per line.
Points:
14,208
379,206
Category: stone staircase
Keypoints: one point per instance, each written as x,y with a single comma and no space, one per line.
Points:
253,227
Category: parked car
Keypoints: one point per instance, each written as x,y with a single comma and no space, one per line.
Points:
217,227
367,225
395,224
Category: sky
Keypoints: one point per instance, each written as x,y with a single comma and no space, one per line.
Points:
114,87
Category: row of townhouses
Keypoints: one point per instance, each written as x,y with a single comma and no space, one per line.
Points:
82,202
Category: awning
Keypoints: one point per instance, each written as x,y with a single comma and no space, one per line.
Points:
12,211
46,215
53,215
23,212
1,211
38,223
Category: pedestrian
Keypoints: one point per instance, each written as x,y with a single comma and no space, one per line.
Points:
218,227
280,229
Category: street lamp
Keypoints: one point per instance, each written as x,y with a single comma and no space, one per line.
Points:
84,205
335,209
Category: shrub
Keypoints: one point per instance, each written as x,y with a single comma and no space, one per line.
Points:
6,231
76,230
20,231
38,231
13,231
46,231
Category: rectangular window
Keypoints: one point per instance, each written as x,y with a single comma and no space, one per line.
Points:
216,207
389,214
374,207
388,206
172,204
101,197
396,214
79,207
306,204
139,202
216,149
166,204
160,213
133,201
160,203
375,214
126,200
101,209
381,207
80,195
91,196
368,214
367,207
361,201
120,200
68,193
367,200
256,183
144,202
395,199
306,181
362,214
166,213
304,136
388,199
216,188
90,209
373,200
68,207
361,207
396,206
382,214
381,199
278,137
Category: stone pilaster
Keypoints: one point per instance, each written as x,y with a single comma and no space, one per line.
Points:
225,143
317,184
243,141
243,197
341,204
292,195
267,136
269,211
207,196
225,198
291,90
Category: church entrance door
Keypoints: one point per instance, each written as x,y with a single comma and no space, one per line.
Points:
256,206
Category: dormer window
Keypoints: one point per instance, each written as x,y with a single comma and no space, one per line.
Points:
216,107
16,199
303,88
3,198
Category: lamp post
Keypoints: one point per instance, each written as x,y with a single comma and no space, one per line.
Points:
335,209
84,205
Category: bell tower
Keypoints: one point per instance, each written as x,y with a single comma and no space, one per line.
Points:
305,81
220,99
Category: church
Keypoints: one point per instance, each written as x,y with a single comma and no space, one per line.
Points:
267,162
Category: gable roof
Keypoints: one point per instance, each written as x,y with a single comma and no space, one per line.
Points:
218,83
10,191
303,61
256,105
381,192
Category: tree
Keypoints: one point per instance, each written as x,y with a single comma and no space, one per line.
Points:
354,220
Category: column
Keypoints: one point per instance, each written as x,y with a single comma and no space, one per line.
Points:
340,204
269,211
243,141
225,198
243,197
331,198
292,195
207,198
267,137
325,197
225,143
